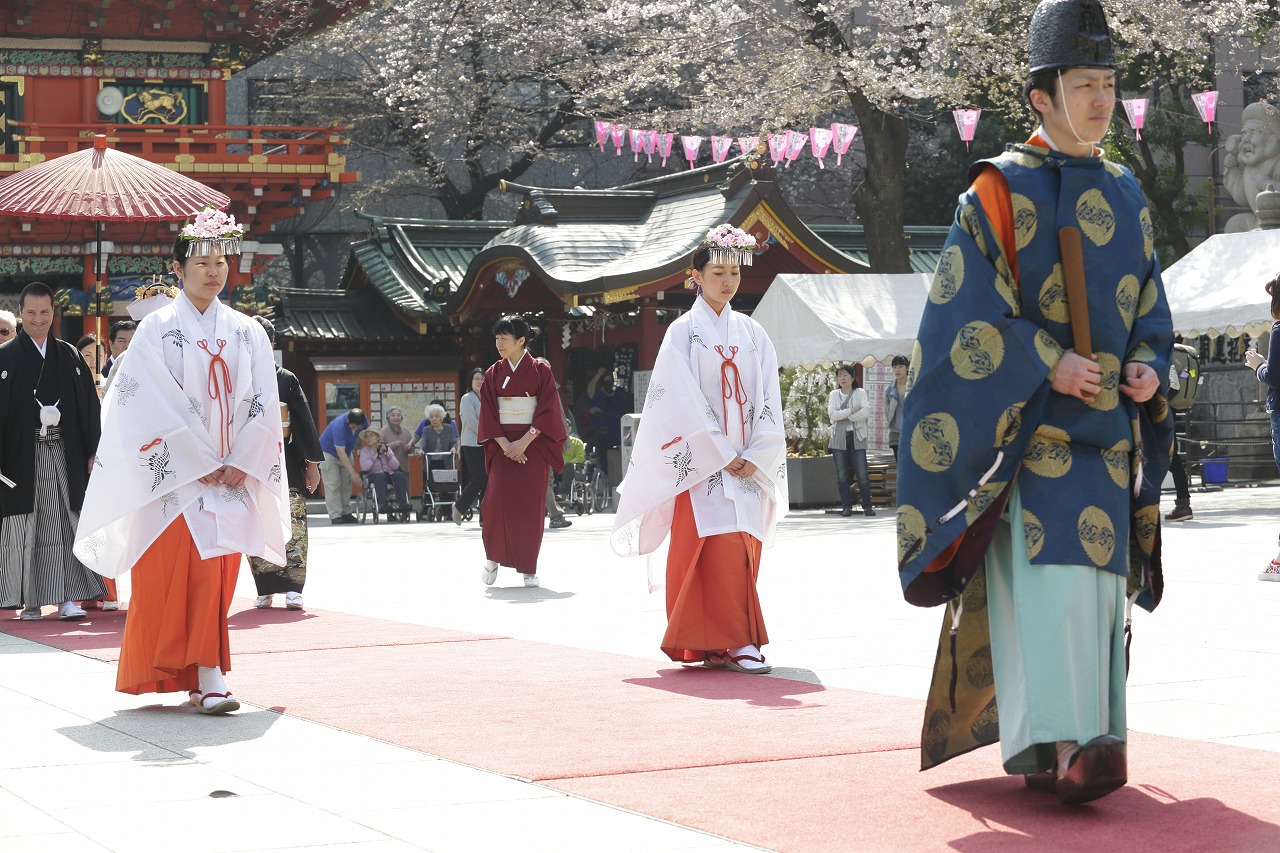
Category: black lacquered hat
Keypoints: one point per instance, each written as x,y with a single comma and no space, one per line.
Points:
1070,34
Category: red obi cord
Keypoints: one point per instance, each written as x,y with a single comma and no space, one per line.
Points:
220,392
731,389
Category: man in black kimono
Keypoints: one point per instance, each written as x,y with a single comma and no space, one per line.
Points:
49,429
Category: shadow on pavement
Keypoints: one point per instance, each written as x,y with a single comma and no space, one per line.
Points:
719,684
170,731
525,594
1018,819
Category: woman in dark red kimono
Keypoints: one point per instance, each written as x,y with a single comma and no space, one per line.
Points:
522,433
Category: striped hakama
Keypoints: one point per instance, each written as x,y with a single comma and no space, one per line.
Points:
36,563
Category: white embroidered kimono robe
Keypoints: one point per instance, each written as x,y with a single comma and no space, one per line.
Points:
173,414
713,396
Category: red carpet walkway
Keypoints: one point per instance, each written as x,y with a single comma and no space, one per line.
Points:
828,769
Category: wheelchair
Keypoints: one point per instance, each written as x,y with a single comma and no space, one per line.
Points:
439,486
367,505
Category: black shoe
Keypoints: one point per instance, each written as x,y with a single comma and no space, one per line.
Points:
846,513
350,519
1100,767
342,519
560,522
868,512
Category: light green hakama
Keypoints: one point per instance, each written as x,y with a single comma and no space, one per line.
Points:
1057,649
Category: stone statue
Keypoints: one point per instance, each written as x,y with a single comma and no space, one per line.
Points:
1253,162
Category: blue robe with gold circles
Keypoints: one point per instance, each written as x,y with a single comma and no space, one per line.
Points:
981,414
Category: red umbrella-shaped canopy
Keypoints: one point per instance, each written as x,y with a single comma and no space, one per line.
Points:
104,184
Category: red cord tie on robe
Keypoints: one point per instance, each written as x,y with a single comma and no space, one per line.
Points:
731,389
220,391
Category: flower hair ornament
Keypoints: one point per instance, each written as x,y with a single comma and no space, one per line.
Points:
212,231
726,245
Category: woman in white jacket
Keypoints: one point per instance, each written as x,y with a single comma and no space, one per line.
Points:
849,408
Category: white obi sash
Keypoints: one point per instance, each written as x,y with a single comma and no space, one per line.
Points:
516,410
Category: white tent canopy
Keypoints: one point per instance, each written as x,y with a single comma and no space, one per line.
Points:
1217,288
832,319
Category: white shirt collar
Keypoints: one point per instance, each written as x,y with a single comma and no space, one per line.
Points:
42,347
516,363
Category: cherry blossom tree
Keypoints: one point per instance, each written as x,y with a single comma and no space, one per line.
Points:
475,92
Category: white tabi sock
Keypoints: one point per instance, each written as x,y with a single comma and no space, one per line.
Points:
211,681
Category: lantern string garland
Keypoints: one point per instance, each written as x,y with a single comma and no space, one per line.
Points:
787,146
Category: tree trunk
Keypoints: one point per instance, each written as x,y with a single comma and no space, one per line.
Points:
879,199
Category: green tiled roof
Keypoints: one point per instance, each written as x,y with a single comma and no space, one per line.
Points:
333,316
417,264
924,241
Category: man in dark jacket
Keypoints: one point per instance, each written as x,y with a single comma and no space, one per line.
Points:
302,455
49,429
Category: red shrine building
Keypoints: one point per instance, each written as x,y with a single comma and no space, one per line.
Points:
152,76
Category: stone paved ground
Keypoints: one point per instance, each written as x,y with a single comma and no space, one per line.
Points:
81,769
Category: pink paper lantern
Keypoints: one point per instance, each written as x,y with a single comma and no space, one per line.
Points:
619,135
650,143
795,144
1136,109
720,147
664,145
777,147
1207,105
692,145
820,143
748,144
602,133
842,138
966,124
638,138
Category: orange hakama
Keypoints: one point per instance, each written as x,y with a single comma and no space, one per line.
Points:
177,618
712,603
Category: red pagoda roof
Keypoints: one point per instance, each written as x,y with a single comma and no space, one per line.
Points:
257,28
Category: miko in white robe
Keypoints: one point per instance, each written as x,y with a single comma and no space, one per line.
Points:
713,397
197,393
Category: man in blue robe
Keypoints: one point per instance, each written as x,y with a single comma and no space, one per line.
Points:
1030,472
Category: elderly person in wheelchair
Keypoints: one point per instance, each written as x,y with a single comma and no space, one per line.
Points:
380,467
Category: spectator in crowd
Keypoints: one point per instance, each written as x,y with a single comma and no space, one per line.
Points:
120,335
1270,376
337,469
94,355
608,406
575,454
422,425
8,326
302,455
383,468
397,439
894,394
472,452
849,409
